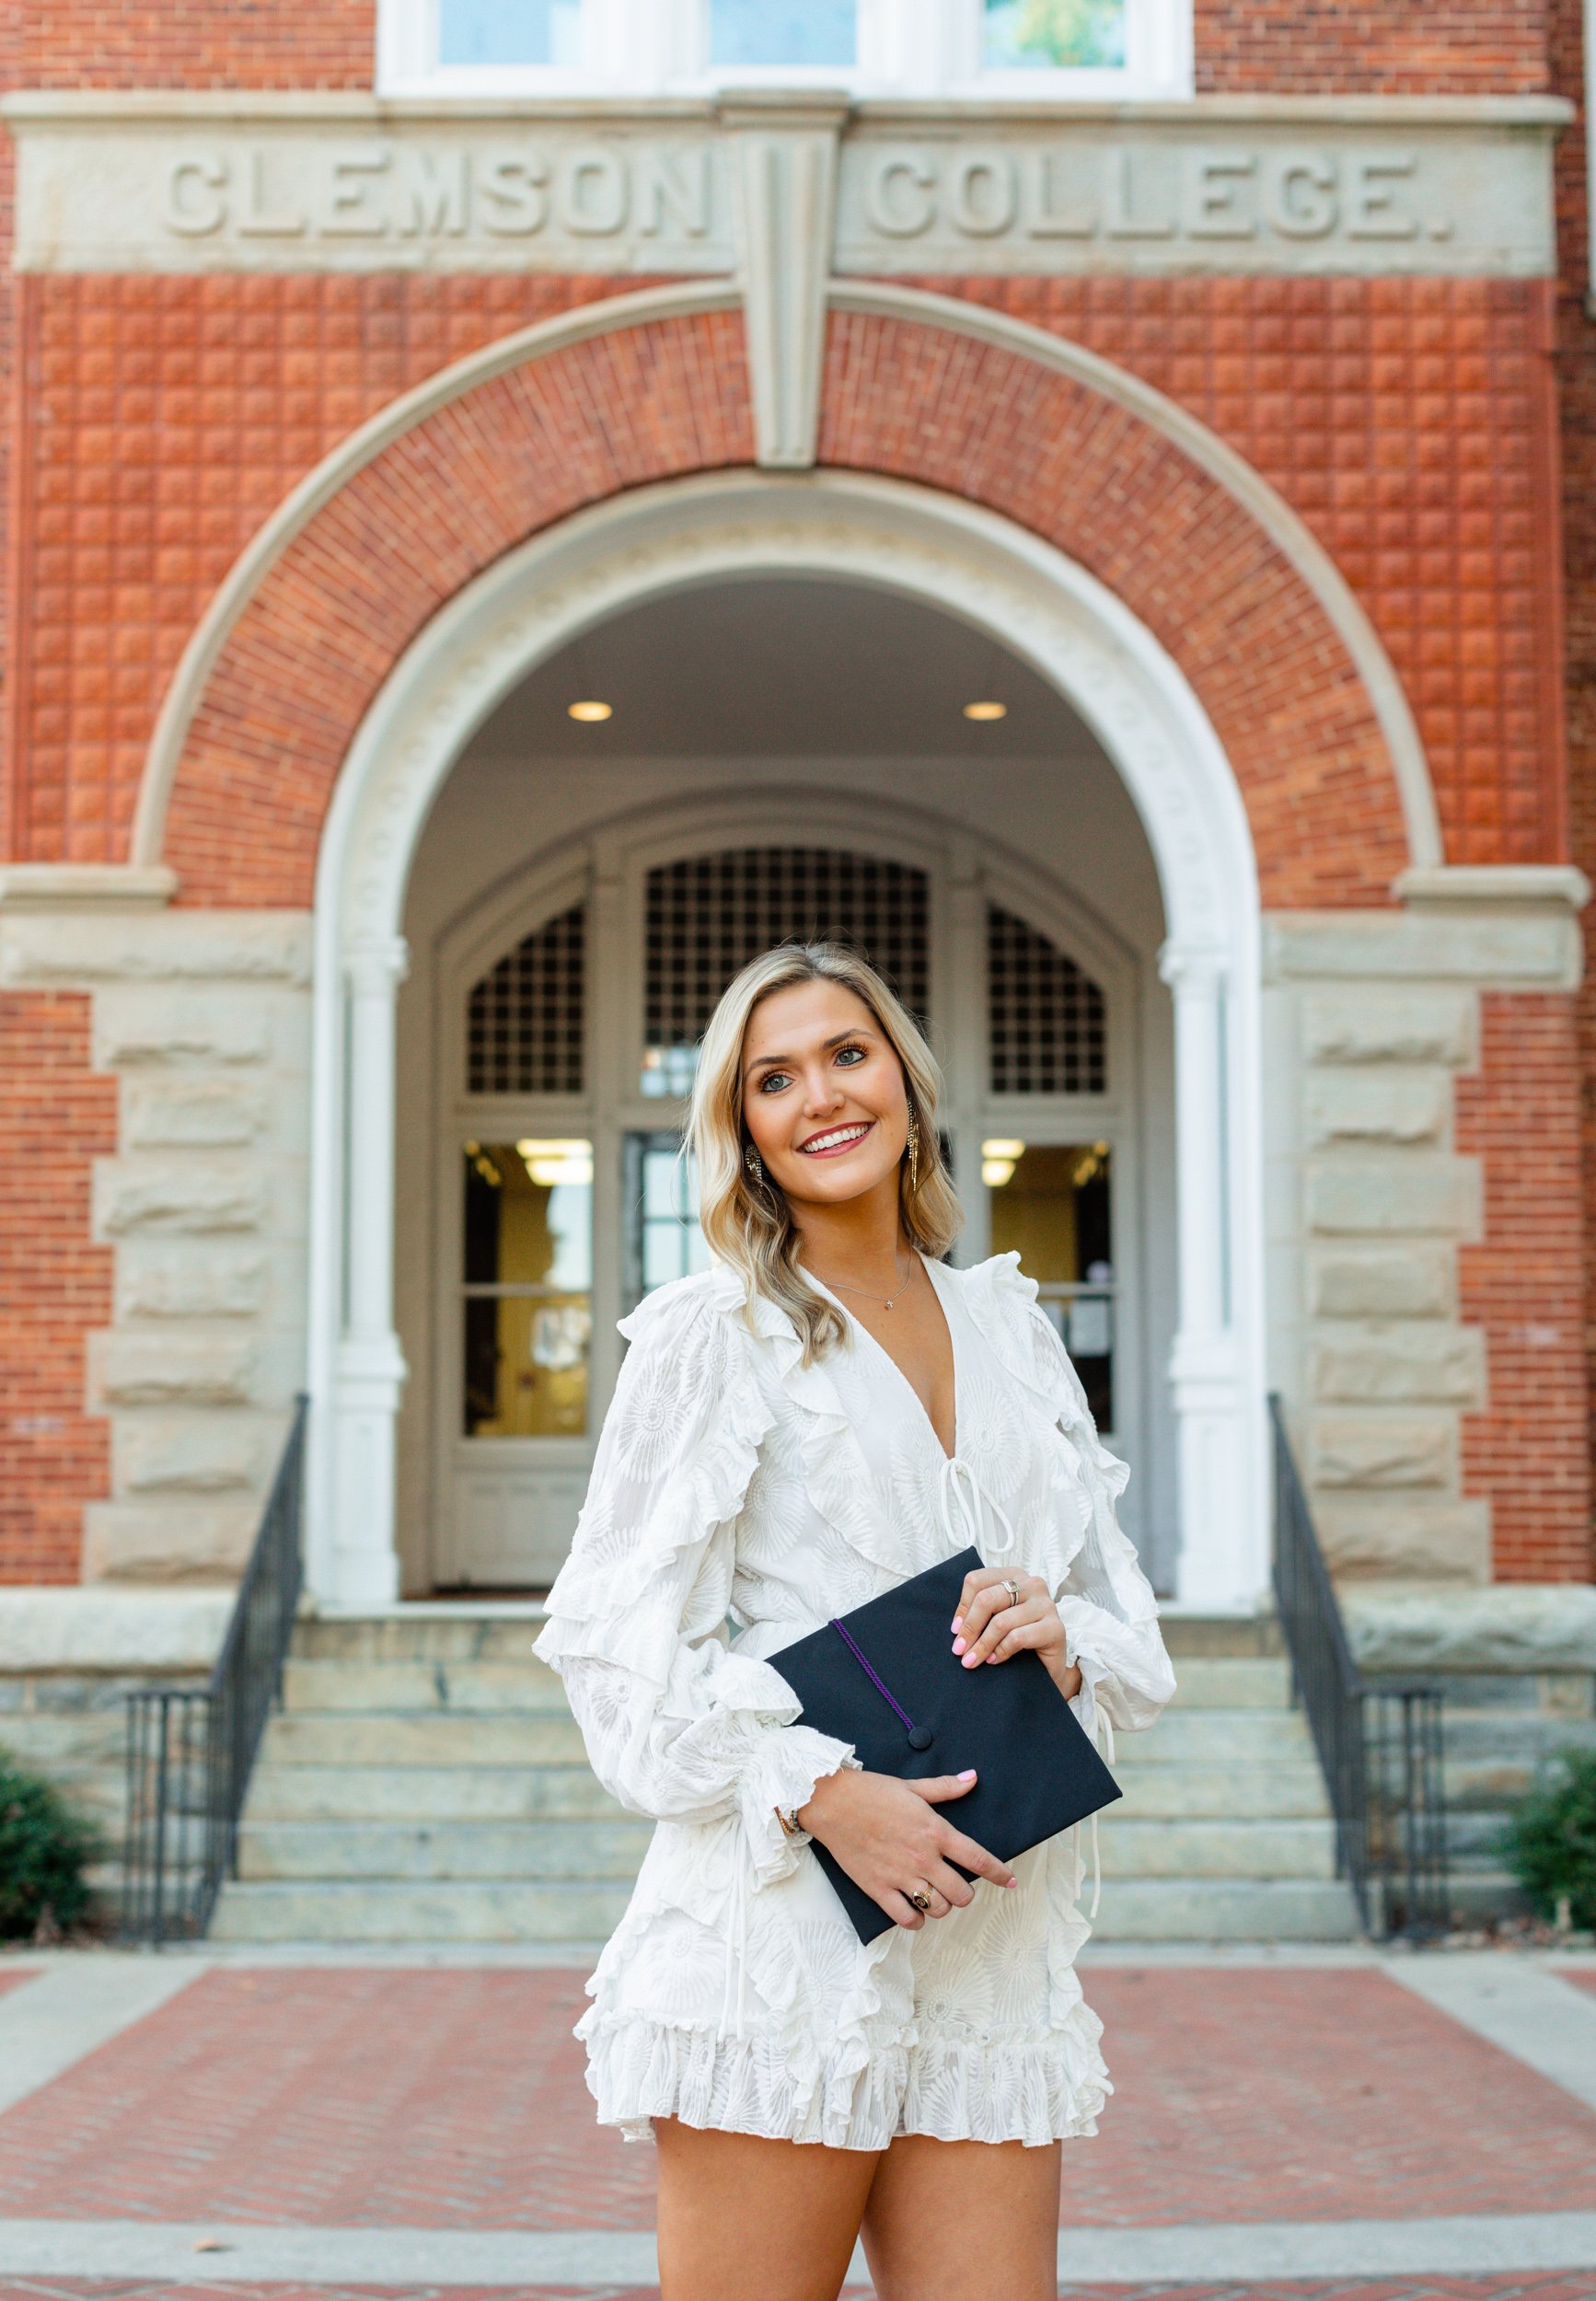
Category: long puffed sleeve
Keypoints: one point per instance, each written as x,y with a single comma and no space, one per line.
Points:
1109,1613
677,1726
1104,1600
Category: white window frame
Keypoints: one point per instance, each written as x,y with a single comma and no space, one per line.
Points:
912,48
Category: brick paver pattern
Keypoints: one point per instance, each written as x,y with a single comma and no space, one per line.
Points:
455,2099
1552,2287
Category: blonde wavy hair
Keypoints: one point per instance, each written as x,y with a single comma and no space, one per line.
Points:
748,1224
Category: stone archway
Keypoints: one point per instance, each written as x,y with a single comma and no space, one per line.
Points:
967,562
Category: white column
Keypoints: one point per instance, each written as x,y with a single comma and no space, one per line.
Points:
1217,1490
370,1372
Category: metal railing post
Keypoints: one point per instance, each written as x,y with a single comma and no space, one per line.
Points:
1389,1805
184,1802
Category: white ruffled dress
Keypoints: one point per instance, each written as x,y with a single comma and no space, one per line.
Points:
731,1478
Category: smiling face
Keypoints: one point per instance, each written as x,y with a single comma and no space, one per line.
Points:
823,1099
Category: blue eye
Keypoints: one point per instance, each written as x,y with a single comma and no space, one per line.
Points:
773,1082
851,1054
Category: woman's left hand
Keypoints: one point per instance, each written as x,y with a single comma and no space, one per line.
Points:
992,1623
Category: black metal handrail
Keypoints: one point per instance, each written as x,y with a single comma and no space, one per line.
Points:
1379,1741
189,1751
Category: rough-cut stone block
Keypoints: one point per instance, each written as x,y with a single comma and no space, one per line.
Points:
172,1541
133,1195
1510,1626
1395,1281
1405,1536
158,1026
1378,1107
1380,1450
94,1629
1416,1191
174,1368
166,1111
1432,1361
208,1453
1533,949
162,1278
82,947
1408,1026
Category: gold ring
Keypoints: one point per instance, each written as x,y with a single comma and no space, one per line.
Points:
920,1900
1013,1590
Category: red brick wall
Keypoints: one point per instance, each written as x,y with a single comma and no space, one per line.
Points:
1382,47
227,44
1413,425
1525,1285
55,1285
1577,375
169,417
1409,422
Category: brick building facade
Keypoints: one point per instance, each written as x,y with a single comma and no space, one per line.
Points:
1238,415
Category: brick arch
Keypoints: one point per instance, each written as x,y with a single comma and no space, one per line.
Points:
903,397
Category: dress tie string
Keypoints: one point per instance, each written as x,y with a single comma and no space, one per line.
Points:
962,1497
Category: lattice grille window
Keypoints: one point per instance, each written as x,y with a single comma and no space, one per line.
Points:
525,1020
1047,1020
710,914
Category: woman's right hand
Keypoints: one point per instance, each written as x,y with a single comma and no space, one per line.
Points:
889,1837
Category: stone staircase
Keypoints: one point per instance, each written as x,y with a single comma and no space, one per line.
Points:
426,1783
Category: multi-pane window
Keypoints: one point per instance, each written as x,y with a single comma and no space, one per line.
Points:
909,46
525,1020
803,32
528,1326
510,32
1046,1020
1051,1204
709,915
1052,35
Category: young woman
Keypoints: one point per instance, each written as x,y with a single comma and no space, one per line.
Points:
827,1411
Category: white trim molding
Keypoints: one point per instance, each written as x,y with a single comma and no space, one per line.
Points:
965,561
77,886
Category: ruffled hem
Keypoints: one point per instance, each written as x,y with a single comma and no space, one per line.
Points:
949,2088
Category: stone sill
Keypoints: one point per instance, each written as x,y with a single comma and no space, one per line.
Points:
90,1628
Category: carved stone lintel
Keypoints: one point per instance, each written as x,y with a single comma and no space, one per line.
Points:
785,149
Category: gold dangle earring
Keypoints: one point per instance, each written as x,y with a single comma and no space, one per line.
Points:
754,1164
913,1151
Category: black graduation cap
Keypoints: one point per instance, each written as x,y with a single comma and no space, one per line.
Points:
886,1678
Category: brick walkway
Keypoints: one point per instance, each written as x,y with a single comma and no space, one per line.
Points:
1577,2287
450,2098
455,2099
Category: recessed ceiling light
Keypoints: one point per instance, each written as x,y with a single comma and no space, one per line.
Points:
589,710
986,711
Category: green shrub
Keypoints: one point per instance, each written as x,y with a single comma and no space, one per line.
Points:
44,1851
1551,1840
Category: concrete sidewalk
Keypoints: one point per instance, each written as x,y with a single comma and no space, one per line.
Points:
1375,2128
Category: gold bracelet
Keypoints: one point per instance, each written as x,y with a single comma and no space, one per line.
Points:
791,1824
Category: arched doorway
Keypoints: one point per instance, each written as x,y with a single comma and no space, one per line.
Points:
507,952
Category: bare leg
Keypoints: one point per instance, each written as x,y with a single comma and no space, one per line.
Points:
964,2221
743,2219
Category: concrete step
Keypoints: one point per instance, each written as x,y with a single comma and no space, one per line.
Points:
1145,1909
1157,1908
1132,1847
327,1684
405,1738
1290,1792
1190,1737
595,1852
558,1912
1231,1682
427,1793
422,1633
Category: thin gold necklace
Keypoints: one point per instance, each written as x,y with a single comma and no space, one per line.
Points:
883,1302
